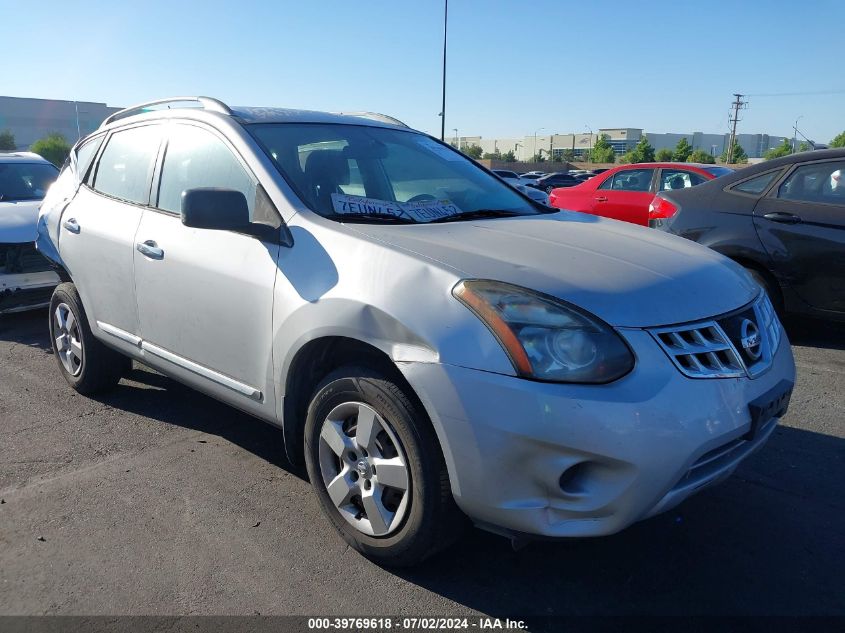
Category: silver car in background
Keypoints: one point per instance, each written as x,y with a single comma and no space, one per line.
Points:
433,344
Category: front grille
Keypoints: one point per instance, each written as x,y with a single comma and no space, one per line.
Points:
21,258
737,344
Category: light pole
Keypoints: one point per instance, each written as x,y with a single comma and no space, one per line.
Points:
443,105
795,134
457,140
516,150
535,139
590,146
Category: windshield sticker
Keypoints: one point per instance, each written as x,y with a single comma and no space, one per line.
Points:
428,210
440,150
359,205
422,211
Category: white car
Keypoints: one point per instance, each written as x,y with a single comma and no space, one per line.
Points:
520,185
434,345
26,278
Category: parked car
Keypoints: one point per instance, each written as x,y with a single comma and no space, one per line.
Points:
432,344
523,186
26,278
554,180
783,220
624,192
506,173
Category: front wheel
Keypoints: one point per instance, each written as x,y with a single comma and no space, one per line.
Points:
377,469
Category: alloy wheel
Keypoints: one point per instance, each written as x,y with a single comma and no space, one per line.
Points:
364,469
68,339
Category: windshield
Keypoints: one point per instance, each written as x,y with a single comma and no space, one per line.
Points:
25,181
718,171
360,173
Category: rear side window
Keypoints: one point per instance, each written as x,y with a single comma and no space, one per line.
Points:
818,182
629,180
126,166
197,158
758,185
85,154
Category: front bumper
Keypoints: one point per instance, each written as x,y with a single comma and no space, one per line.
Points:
26,291
560,460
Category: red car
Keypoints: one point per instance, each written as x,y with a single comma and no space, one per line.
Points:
624,192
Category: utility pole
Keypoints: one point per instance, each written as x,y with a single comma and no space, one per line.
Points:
737,105
443,106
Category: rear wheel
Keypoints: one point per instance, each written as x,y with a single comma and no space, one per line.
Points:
377,469
86,364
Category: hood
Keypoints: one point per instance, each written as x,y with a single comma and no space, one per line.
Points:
629,276
18,221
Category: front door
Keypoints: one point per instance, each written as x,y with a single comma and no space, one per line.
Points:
205,297
801,223
625,195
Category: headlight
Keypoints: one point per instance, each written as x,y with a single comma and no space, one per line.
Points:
545,338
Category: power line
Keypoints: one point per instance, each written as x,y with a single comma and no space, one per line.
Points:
737,105
798,94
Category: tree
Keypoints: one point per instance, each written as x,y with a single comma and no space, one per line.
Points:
700,156
568,155
838,140
643,152
509,156
602,151
497,155
627,158
738,154
473,151
7,140
53,147
682,150
784,149
664,155
538,158
804,147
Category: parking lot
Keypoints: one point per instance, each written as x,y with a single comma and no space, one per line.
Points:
158,500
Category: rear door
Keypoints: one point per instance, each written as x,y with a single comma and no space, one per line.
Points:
97,229
801,223
625,195
205,297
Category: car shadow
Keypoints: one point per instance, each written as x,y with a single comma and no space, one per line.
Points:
26,328
808,332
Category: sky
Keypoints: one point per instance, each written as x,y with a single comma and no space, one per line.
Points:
513,67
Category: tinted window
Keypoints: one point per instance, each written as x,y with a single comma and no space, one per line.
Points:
629,180
197,158
85,154
679,179
717,171
25,181
757,185
126,166
819,182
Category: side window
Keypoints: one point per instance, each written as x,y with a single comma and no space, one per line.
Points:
84,155
679,179
629,180
126,166
757,185
197,158
819,182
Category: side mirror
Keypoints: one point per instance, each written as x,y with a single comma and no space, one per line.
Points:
217,209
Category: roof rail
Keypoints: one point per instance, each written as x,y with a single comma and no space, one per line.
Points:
206,103
376,116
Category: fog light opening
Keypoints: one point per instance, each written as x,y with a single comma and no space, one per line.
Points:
572,479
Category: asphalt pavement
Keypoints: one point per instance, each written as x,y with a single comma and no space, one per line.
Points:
155,499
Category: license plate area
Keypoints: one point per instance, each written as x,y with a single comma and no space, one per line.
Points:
772,404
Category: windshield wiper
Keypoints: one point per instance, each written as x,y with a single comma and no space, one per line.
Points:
379,217
479,213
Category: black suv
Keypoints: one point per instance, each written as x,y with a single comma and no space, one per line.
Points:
783,220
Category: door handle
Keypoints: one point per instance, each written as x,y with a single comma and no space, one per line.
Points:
784,218
72,225
601,199
150,249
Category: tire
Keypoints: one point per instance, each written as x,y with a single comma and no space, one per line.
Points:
770,286
407,525
86,364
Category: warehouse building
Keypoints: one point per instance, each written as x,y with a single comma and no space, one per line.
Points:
32,119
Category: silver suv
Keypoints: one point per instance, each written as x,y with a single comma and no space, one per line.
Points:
434,344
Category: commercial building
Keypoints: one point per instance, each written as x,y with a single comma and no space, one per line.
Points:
32,119
621,139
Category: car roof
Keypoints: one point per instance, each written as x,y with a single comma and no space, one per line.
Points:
199,107
22,157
